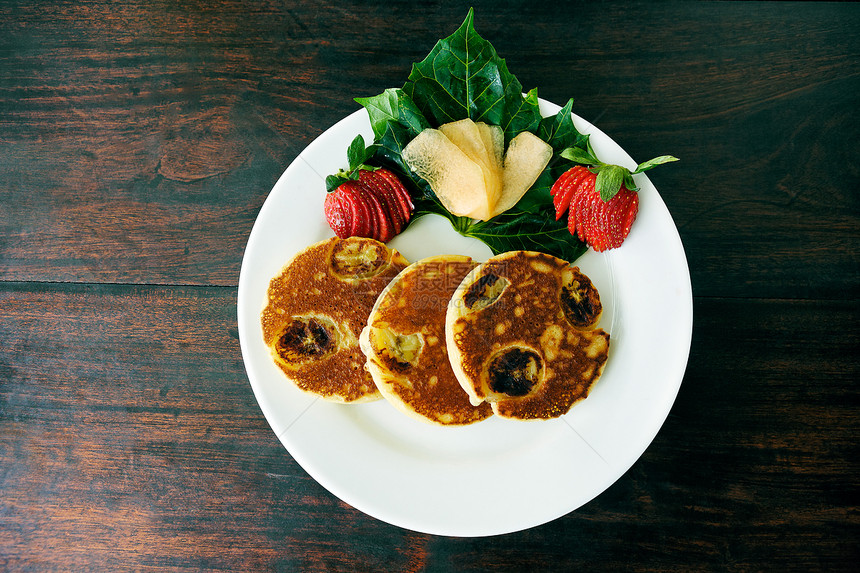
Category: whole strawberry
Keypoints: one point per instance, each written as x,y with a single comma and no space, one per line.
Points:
601,201
366,201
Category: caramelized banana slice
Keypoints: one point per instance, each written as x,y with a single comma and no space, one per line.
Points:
513,373
306,338
358,260
580,301
484,292
398,352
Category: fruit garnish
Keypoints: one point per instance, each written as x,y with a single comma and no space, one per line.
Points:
601,200
469,170
366,201
464,81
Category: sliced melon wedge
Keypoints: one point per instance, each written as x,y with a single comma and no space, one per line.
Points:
469,170
466,135
494,141
525,159
455,178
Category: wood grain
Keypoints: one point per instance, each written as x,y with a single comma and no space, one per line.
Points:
139,141
130,435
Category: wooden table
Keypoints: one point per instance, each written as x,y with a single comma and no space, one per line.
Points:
138,140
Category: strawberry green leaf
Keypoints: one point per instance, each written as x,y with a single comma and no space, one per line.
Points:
628,181
332,182
609,180
580,155
652,163
357,153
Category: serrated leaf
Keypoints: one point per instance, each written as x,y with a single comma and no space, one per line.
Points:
393,106
521,230
389,148
609,180
558,130
513,230
462,77
523,114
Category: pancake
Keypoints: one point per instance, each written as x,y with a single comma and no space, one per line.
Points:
316,308
521,335
404,342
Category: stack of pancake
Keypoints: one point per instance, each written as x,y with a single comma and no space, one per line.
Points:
445,340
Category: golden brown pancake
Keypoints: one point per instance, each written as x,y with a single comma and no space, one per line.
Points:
521,335
316,308
405,343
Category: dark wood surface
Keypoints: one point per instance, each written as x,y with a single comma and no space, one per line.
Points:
138,141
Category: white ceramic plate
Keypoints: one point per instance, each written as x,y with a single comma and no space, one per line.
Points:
496,476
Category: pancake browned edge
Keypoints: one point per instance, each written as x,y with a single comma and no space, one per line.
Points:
520,334
404,342
316,308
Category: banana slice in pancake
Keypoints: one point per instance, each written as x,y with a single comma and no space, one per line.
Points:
316,308
521,335
404,342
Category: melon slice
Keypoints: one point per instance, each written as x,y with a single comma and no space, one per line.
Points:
469,170
525,159
494,141
456,179
466,135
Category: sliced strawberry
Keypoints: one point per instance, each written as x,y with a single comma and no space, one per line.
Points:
566,186
383,229
404,199
621,216
377,185
359,210
561,192
603,224
337,214
579,210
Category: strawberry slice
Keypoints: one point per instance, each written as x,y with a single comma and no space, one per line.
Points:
378,186
603,224
337,214
359,210
404,200
382,229
564,189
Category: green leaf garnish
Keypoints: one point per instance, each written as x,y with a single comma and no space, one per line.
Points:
652,163
357,153
462,77
579,155
609,180
513,230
